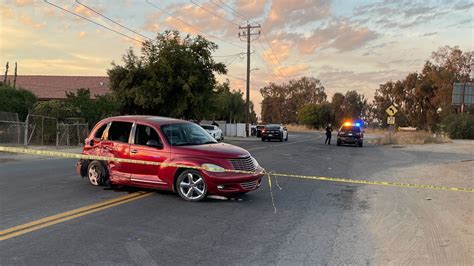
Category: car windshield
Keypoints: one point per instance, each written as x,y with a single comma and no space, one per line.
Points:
186,134
350,129
207,127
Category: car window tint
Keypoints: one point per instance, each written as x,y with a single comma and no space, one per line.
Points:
99,132
208,127
273,128
145,133
119,131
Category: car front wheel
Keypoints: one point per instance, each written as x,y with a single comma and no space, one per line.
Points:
97,174
191,186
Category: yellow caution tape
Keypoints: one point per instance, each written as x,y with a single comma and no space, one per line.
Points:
319,178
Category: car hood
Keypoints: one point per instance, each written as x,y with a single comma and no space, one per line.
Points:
218,150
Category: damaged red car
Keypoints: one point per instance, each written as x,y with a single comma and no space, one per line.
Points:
167,140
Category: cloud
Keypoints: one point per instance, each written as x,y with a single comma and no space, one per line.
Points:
296,13
24,2
185,15
429,34
26,20
402,14
291,71
81,34
281,49
81,10
6,12
250,8
339,35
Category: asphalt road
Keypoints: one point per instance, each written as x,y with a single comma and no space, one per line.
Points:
315,223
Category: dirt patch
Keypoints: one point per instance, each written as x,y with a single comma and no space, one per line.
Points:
405,138
298,128
422,226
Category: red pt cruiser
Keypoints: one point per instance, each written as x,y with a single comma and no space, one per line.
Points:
167,140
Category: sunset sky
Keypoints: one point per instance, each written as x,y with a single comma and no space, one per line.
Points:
348,45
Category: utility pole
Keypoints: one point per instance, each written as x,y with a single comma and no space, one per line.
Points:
247,32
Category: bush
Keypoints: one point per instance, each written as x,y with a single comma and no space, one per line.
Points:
16,100
459,126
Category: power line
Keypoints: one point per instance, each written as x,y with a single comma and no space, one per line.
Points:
113,21
93,22
233,11
191,25
270,71
274,54
216,15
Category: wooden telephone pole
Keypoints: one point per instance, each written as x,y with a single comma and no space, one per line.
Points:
247,32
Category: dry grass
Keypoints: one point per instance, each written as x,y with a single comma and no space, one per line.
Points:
419,137
298,128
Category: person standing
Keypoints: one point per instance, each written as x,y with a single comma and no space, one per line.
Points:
328,135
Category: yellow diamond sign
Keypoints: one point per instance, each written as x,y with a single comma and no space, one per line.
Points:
391,111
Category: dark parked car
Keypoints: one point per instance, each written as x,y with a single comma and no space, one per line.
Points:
274,131
350,134
167,140
259,130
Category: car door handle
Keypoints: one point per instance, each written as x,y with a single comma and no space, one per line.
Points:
133,151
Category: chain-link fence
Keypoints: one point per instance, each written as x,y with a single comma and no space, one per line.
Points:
72,134
42,131
12,131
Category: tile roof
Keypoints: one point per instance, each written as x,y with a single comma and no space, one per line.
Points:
54,87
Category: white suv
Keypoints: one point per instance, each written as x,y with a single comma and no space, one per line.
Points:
215,132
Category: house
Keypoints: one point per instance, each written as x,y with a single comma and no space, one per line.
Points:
55,87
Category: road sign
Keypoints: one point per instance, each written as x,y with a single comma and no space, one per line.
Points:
391,111
391,120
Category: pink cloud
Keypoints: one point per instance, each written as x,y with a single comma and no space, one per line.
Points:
296,13
26,20
339,35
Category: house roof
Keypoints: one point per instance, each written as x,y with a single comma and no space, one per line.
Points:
55,87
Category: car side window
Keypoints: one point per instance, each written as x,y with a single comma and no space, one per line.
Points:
119,131
99,132
145,133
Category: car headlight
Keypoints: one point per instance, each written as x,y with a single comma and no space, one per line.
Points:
255,162
213,168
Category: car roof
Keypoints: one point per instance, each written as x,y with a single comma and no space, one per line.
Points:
157,120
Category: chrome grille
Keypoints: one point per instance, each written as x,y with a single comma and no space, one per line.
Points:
243,164
249,185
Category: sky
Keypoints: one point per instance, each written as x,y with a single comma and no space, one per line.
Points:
347,44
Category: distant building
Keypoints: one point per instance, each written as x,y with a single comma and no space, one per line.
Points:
55,87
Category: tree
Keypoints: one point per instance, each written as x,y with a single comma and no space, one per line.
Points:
173,76
79,105
229,105
354,105
315,115
282,102
16,100
424,99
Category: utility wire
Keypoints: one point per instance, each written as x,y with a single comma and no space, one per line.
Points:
270,69
113,21
216,15
274,54
192,26
235,12
280,79
93,22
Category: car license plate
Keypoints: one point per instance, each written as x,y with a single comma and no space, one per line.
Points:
350,134
270,135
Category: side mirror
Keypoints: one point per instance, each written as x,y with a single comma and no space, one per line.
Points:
154,143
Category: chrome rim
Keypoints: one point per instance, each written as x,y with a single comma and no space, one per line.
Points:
192,186
94,176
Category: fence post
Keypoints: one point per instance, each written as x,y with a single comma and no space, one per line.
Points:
26,132
42,130
67,135
57,135
78,136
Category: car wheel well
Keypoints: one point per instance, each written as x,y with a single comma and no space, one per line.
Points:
176,175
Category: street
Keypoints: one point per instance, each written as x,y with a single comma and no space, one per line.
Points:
316,222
